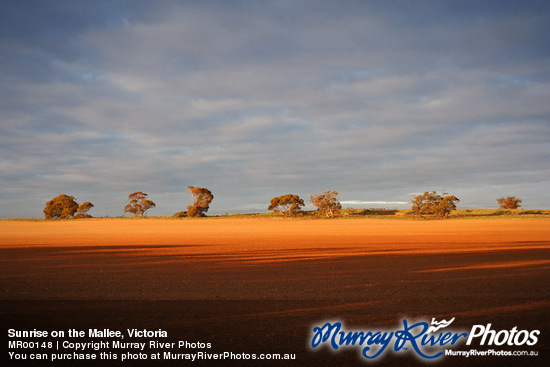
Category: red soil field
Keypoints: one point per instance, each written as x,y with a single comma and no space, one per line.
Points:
260,284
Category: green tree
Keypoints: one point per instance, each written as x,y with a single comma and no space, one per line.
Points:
82,211
139,204
287,204
61,207
327,203
434,204
511,202
201,203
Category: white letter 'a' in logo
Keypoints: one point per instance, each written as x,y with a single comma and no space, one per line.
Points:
439,325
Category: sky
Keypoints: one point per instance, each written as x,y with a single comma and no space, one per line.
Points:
378,100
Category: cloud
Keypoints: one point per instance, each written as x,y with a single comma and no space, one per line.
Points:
255,100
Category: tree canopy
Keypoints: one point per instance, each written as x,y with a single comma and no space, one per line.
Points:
201,203
327,203
139,204
61,207
287,204
511,202
82,211
435,204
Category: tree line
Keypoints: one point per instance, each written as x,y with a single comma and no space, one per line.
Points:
327,204
65,207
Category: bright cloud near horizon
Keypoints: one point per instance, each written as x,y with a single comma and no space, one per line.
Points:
376,100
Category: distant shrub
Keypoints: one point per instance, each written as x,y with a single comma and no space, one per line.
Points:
511,202
201,203
65,207
431,203
286,204
61,207
82,211
327,203
139,204
529,212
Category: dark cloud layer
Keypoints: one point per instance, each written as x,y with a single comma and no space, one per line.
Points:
378,100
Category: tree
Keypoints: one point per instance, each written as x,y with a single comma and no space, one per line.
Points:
511,202
201,203
286,204
139,204
433,203
327,203
82,211
61,207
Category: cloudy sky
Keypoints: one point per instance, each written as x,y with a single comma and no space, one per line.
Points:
378,100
